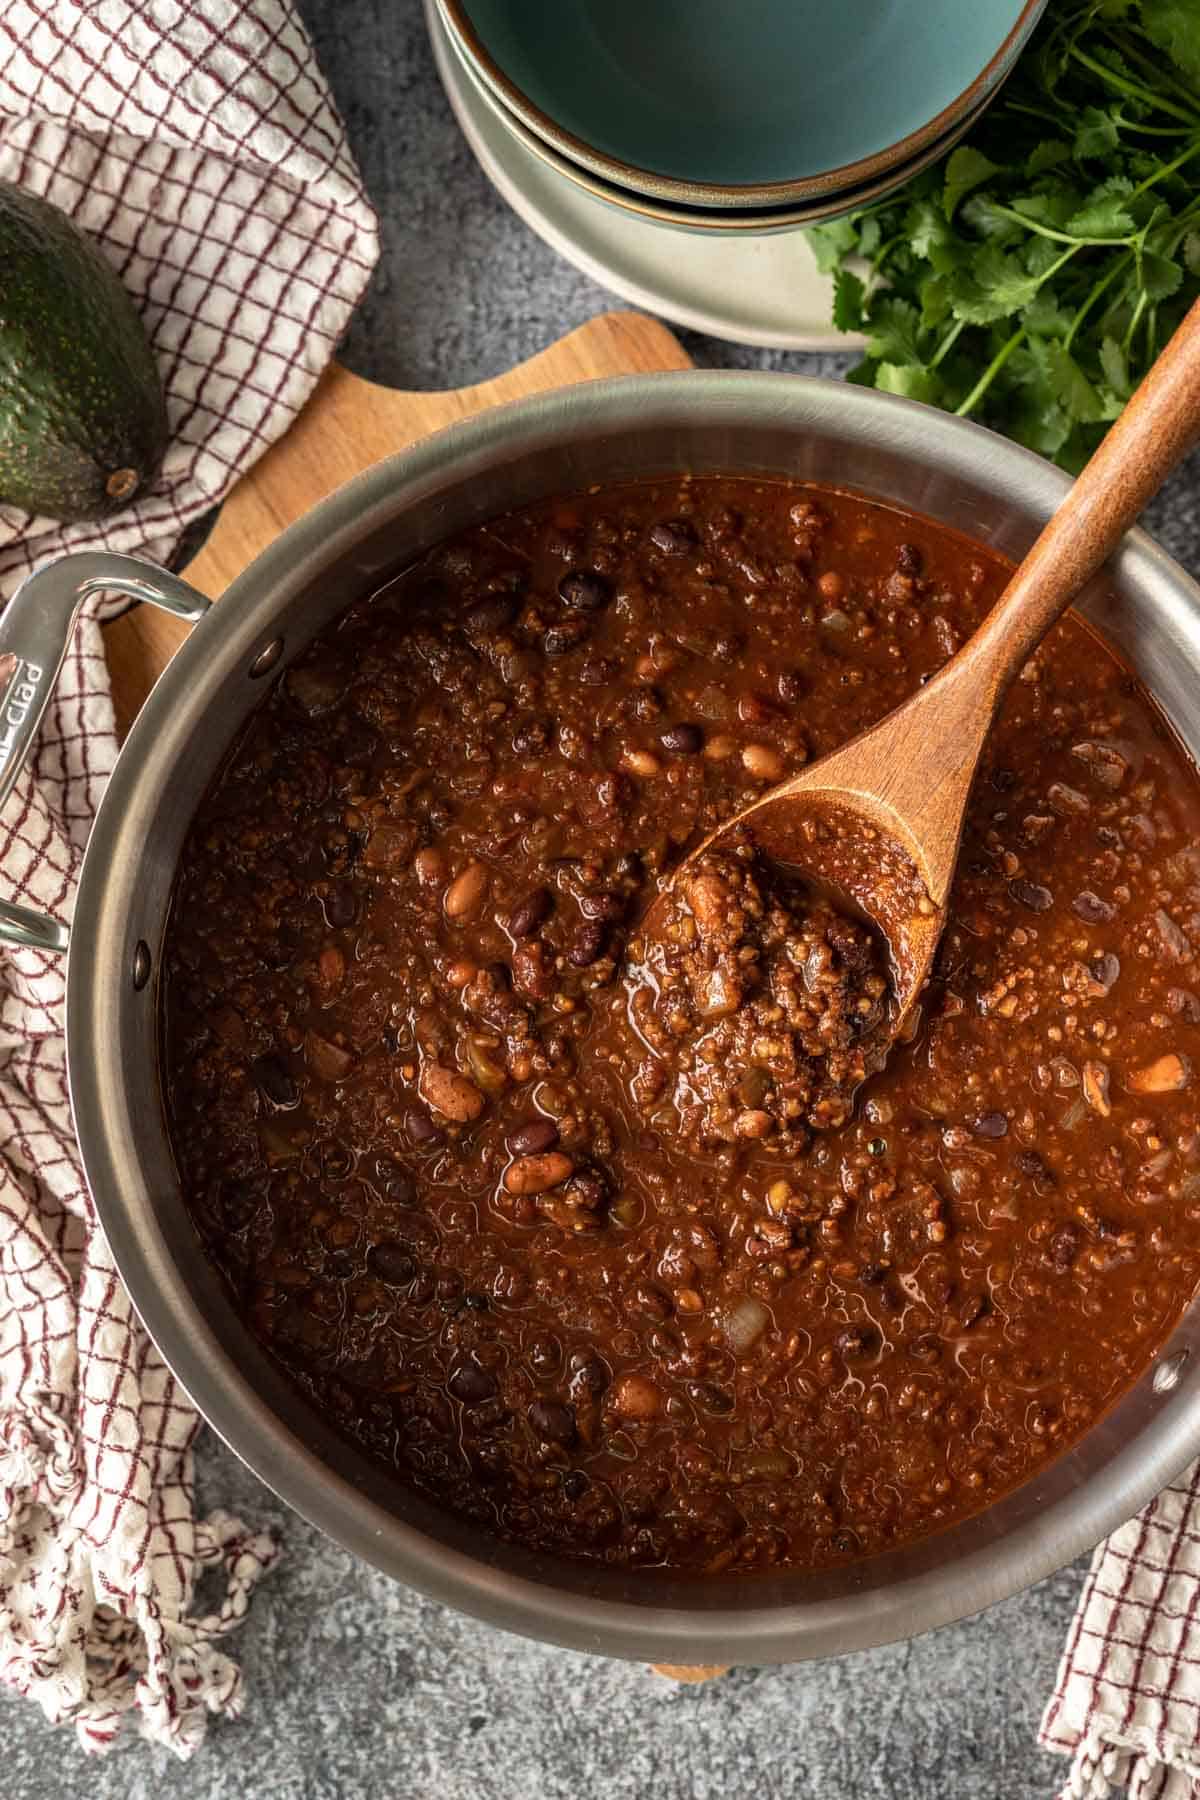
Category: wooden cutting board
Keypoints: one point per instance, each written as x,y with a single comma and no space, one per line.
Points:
346,426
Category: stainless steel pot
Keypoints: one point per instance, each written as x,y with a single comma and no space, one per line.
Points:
599,432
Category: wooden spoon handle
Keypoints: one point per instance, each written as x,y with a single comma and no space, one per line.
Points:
1155,431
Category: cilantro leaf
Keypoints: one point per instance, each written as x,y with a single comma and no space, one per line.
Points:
995,285
1101,216
911,383
1032,275
848,295
1115,365
831,242
1066,380
1174,25
1047,155
1160,276
1096,134
893,331
967,169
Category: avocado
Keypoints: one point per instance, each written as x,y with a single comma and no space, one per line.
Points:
83,423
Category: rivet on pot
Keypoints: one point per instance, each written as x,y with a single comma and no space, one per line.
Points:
266,659
1168,1371
141,965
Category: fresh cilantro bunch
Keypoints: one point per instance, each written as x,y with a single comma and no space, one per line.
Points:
1030,280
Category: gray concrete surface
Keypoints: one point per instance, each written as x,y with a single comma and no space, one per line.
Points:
358,1687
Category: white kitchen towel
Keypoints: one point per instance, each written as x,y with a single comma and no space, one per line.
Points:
1126,1704
198,144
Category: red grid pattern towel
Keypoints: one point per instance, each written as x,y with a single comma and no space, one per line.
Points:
196,141
1126,1704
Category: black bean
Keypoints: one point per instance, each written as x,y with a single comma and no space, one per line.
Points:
973,1309
1064,1246
544,1356
1035,1166
421,1128
553,1422
394,1181
575,1484
587,1189
531,912
872,1273
608,907
533,1138
1106,969
674,537
586,944
471,1384
501,976
925,1349
990,1125
596,671
421,1291
789,686
449,1287
856,1340
584,590
341,904
683,740
476,1302
1029,893
1002,780
336,1162
712,1399
1092,909
909,560
391,1262
276,1082
240,1200
564,636
531,736
490,615
588,1374
649,1302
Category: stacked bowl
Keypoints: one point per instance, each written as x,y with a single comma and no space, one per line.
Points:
754,116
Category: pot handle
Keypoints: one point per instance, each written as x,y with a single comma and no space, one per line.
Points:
35,632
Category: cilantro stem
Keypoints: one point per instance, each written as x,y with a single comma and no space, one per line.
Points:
948,342
1100,287
1059,237
1168,168
1126,47
885,250
1138,310
989,374
1134,89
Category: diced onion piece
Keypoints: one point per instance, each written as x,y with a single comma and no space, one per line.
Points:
744,1323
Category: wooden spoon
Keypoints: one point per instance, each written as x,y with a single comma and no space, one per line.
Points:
878,822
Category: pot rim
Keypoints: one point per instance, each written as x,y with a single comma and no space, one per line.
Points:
700,1626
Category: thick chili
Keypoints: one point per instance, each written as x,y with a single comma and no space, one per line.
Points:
633,1279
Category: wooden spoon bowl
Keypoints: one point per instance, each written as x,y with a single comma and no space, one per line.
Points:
877,824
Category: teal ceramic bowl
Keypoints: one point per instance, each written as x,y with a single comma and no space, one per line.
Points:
735,103
748,221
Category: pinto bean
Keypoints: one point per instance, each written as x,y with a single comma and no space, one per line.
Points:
762,762
536,1174
450,1093
465,894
